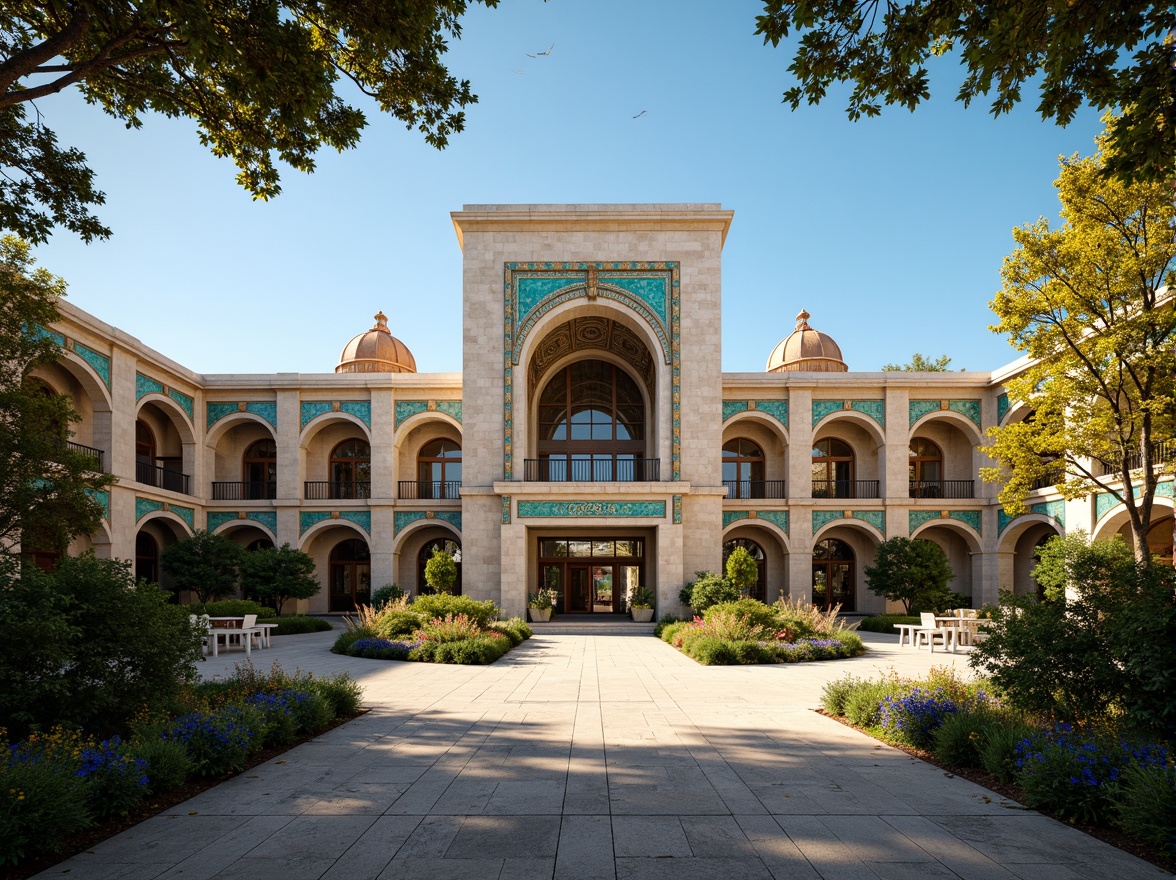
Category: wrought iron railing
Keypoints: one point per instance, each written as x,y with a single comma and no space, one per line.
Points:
754,488
600,470
162,478
1162,453
449,490
943,489
324,490
97,455
244,491
845,488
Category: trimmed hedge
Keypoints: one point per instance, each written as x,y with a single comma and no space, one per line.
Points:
296,624
884,623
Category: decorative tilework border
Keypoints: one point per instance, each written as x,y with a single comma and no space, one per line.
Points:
1002,408
506,510
677,509
777,409
406,409
103,498
309,518
971,518
776,517
1105,502
969,409
309,410
876,518
144,506
875,409
265,409
1055,510
100,362
267,518
145,385
591,508
407,518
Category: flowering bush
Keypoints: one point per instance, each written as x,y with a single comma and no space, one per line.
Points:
115,781
381,649
450,628
914,717
217,742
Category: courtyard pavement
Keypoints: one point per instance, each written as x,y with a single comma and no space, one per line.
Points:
586,757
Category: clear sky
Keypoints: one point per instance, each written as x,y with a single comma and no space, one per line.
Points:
889,231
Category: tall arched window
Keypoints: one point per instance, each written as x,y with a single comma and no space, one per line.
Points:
743,469
760,590
833,575
926,469
145,470
351,469
351,575
439,470
833,469
591,427
448,545
259,470
146,558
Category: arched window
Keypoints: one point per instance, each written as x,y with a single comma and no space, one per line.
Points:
760,590
926,469
450,546
351,575
351,470
591,427
743,469
146,558
833,575
145,468
259,470
439,470
833,469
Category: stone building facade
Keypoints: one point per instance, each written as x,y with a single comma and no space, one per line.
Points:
591,444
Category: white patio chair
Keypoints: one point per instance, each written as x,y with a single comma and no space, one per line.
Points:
929,630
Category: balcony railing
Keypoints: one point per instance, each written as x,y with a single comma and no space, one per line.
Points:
97,455
1047,482
943,489
425,490
324,490
754,488
244,491
845,488
601,470
1162,453
154,475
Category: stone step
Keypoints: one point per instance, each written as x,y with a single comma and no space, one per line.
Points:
581,628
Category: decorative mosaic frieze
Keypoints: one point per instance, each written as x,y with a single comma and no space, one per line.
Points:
183,400
506,510
969,409
733,407
100,362
591,509
875,409
968,517
775,517
777,409
145,385
1055,510
406,409
1002,407
406,518
876,518
451,408
677,509
103,498
267,518
264,409
652,290
920,408
1105,502
38,332
145,506
312,409
310,518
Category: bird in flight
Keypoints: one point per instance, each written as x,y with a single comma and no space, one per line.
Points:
540,54
639,115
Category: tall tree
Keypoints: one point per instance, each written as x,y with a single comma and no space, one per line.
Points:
1091,304
1116,56
260,79
209,565
914,573
277,574
46,489
920,364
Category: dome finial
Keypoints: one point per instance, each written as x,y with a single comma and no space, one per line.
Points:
802,320
381,322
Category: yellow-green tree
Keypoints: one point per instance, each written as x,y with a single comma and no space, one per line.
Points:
1091,303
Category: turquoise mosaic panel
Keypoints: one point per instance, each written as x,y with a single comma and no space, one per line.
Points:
362,518
402,520
777,409
1104,503
145,385
875,409
451,408
876,518
40,332
916,518
920,408
1002,407
214,412
970,409
309,518
968,517
651,291
266,409
732,407
103,498
406,409
677,509
1165,489
822,518
187,514
312,409
100,362
183,400
592,508
1055,510
361,409
267,518
506,510
822,408
532,290
1002,520
216,519
144,506
777,517
730,516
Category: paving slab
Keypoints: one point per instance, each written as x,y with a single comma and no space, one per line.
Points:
597,757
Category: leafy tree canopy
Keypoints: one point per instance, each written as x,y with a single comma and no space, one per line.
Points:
1074,562
260,79
1115,56
206,564
914,573
1090,303
46,489
277,574
920,364
742,571
441,571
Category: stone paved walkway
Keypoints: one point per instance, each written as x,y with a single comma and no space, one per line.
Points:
597,757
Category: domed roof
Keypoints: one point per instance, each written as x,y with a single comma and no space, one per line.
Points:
807,350
376,351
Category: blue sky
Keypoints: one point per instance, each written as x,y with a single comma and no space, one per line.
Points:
889,231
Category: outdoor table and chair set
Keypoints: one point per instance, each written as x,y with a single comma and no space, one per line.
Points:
954,630
223,633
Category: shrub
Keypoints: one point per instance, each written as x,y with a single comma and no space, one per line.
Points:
393,622
741,570
721,622
851,643
42,802
310,711
671,632
661,625
863,704
1146,805
116,648
450,628
515,629
205,564
913,717
884,623
168,764
374,648
914,573
711,651
115,781
296,625
836,692
710,589
443,604
217,742
441,571
346,639
479,651
233,608
278,574
275,710
806,619
998,749
685,594
962,736
757,615
809,649
341,692
384,595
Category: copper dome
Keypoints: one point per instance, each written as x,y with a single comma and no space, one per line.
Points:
376,351
806,350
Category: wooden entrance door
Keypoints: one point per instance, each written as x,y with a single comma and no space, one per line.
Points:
579,589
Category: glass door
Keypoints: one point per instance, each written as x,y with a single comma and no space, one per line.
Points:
579,594
602,588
